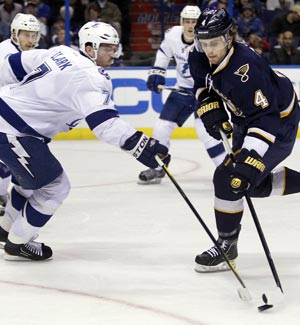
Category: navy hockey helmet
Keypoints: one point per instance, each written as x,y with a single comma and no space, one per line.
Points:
213,23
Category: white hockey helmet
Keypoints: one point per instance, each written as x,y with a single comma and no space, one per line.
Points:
25,22
189,12
98,33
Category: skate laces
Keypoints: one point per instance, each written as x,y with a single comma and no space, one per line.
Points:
34,247
214,252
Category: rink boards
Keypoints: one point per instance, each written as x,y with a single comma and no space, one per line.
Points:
141,107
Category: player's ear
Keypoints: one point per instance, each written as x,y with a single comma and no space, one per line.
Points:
90,51
14,36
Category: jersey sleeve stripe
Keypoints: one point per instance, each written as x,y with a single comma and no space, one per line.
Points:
289,109
261,134
16,66
96,118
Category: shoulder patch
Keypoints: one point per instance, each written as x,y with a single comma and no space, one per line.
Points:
242,72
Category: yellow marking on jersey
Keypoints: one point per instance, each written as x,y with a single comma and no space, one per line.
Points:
263,135
289,109
229,212
242,72
225,61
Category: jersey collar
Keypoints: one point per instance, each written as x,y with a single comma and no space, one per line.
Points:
225,61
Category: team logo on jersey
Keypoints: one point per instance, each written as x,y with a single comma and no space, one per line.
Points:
242,72
73,124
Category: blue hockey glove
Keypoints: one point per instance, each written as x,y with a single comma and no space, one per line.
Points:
156,76
214,116
246,169
144,149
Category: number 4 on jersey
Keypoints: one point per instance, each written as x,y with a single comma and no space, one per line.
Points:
260,99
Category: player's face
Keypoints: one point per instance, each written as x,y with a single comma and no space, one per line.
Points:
106,55
188,27
27,39
215,49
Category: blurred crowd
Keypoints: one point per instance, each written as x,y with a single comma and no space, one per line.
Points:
271,27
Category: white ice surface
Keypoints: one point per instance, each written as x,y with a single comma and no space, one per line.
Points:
124,253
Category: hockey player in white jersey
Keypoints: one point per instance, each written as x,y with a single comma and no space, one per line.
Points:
53,90
25,35
177,44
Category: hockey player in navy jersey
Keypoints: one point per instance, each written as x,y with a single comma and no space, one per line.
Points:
178,108
264,111
47,92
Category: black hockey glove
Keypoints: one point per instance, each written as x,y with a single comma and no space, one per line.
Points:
214,116
248,166
144,149
156,76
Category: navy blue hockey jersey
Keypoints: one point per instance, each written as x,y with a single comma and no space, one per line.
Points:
257,97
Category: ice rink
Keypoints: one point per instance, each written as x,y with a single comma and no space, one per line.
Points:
124,253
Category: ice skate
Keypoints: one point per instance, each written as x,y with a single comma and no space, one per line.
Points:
31,251
151,176
3,237
3,201
213,261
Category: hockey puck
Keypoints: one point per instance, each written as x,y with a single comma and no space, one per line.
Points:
264,298
264,307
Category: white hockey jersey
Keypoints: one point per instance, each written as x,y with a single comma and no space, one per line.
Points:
173,47
7,47
45,92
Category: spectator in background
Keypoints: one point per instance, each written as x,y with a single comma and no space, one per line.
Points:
260,45
218,4
289,21
78,18
59,38
8,10
280,4
285,54
93,12
4,30
248,23
239,4
42,13
30,8
108,12
124,6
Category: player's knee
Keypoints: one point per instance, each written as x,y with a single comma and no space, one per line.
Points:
48,198
222,187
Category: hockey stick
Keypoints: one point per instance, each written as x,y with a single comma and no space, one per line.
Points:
243,292
176,90
255,219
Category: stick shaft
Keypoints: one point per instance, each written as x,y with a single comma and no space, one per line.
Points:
176,90
160,162
255,219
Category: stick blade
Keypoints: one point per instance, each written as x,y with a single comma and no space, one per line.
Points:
244,294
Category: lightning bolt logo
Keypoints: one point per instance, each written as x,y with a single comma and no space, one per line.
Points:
21,155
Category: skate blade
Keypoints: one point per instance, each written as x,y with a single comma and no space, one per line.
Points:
150,182
2,245
213,268
15,258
